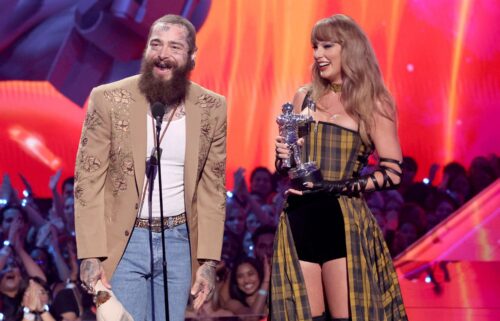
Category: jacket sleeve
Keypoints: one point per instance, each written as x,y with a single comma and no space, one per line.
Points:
211,194
90,175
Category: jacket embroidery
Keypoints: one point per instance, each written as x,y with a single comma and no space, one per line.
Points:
206,103
121,166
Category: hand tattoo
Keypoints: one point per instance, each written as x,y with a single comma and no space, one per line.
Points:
90,273
207,276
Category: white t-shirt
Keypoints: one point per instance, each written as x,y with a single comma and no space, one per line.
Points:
173,147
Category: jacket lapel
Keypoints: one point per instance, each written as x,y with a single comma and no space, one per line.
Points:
138,135
193,121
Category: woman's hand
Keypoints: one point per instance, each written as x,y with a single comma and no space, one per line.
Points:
308,185
282,148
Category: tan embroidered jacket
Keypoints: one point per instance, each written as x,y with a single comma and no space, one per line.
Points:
110,170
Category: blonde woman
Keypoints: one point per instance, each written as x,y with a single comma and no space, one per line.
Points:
330,258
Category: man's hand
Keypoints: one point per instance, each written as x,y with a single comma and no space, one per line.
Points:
91,271
204,284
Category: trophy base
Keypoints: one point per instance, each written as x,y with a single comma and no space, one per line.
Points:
305,173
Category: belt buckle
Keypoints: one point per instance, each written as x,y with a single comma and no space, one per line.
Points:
170,222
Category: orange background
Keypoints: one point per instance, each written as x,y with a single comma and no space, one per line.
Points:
437,58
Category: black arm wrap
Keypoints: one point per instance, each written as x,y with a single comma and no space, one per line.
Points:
355,186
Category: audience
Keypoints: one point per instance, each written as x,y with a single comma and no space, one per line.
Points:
39,268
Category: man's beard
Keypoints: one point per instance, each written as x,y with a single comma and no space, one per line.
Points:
169,92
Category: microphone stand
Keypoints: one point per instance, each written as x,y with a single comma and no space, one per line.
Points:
151,170
164,260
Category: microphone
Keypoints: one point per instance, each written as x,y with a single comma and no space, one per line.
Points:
158,110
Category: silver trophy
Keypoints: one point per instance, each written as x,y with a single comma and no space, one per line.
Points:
299,172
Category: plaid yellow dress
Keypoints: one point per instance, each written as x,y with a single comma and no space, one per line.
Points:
374,293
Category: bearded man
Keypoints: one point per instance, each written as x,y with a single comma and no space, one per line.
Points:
114,235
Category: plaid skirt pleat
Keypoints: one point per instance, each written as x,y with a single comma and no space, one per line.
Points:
288,296
374,293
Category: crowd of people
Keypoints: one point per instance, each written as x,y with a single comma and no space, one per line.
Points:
38,261
39,267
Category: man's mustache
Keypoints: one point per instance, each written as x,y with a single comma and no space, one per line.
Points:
165,63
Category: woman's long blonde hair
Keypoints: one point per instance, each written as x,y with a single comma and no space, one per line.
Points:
363,89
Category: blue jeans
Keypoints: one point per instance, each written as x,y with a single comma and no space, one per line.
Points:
131,281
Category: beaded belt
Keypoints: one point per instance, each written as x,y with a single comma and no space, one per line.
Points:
168,222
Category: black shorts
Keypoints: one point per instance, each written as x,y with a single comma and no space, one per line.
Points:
317,227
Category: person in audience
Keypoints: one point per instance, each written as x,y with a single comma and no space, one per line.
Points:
35,302
414,214
404,237
235,218
66,305
252,223
256,200
481,174
410,169
442,206
249,286
68,188
9,214
456,183
263,240
10,290
261,184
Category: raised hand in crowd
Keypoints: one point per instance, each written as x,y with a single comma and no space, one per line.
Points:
54,180
9,194
28,203
433,169
53,248
56,220
35,302
57,200
240,190
73,261
246,199
16,237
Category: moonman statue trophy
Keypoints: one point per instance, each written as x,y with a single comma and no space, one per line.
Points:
299,172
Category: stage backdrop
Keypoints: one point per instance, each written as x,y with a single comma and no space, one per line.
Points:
439,58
